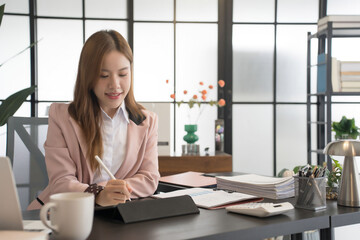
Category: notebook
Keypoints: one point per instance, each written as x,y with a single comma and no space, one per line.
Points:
10,210
189,179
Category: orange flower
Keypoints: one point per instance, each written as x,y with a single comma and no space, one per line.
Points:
203,97
221,83
185,92
203,92
211,86
172,96
221,102
195,96
167,80
201,83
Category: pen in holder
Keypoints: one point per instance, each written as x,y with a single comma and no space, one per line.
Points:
310,192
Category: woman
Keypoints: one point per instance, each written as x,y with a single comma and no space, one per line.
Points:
105,120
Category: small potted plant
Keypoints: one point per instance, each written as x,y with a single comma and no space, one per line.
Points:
345,129
333,180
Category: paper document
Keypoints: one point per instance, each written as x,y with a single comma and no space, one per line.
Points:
208,198
261,186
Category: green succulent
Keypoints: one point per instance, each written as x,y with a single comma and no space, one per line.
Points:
346,127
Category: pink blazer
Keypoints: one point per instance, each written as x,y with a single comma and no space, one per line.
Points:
69,170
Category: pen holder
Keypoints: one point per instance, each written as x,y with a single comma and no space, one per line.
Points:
310,193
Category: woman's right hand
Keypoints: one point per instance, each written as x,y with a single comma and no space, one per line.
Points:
115,192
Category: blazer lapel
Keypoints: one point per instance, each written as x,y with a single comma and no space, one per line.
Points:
82,144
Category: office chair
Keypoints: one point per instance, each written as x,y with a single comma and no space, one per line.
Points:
25,139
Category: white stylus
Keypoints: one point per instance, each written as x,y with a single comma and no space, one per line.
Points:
105,168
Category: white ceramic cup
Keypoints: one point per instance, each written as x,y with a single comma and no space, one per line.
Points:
71,214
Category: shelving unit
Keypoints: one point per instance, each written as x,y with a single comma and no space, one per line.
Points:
324,99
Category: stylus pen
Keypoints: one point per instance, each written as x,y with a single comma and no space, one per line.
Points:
105,168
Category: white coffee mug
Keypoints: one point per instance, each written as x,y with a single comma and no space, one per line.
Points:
71,214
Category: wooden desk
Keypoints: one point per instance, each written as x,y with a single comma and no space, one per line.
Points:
221,162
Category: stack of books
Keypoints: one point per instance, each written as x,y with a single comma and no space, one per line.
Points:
345,75
257,185
350,76
339,21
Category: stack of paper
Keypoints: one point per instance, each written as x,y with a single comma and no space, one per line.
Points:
209,198
261,186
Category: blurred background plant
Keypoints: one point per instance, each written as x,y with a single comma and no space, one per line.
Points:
199,98
345,129
333,179
11,104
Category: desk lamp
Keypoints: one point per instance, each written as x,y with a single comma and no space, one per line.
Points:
349,192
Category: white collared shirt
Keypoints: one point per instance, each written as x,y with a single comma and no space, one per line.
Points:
114,138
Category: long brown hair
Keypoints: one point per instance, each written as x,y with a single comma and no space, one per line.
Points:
85,108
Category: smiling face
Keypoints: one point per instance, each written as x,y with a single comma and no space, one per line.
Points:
114,82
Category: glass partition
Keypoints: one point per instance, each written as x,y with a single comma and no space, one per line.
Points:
63,8
253,138
58,58
250,11
253,61
15,71
106,8
153,61
300,11
290,136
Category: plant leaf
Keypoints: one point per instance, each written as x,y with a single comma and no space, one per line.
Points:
19,52
2,9
10,105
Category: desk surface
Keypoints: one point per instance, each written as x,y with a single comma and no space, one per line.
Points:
219,224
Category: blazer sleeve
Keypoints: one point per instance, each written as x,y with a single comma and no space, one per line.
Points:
63,170
144,183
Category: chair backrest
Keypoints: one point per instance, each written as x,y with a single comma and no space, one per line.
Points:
25,140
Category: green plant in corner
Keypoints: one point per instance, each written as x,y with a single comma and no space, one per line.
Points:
333,179
11,104
346,128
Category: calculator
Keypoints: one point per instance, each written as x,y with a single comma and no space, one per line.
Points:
261,209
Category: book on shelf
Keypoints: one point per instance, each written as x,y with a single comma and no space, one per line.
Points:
339,21
321,74
335,75
350,89
257,185
350,67
340,25
211,199
350,84
350,78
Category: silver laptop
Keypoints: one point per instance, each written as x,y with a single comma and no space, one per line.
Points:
10,211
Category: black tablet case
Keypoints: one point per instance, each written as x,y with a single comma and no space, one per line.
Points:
148,209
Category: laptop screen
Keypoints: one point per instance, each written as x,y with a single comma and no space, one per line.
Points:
10,213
